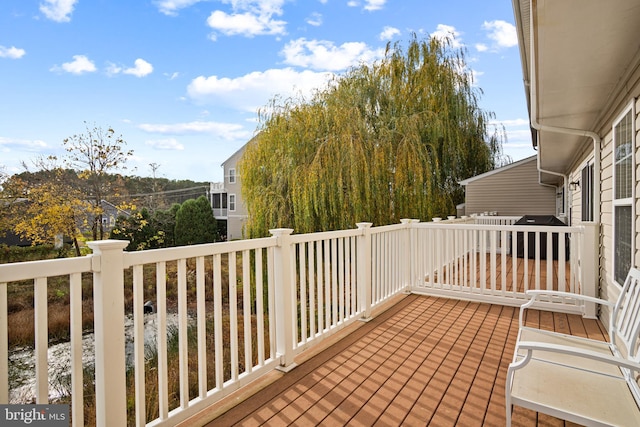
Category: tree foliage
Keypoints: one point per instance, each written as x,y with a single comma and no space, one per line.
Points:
147,231
47,209
195,223
382,142
95,153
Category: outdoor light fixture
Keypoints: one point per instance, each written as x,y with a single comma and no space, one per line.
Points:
574,185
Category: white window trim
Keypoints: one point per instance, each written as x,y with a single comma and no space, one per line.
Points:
229,204
232,175
626,201
591,161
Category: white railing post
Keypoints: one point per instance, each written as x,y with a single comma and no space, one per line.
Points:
284,303
108,321
407,254
364,269
589,266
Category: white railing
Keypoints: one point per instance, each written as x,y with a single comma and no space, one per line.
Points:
247,307
498,263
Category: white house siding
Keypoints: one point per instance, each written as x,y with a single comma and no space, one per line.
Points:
608,288
575,198
606,216
511,191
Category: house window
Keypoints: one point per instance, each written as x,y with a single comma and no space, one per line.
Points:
623,178
586,183
232,176
232,202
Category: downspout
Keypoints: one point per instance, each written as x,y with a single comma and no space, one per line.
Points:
556,129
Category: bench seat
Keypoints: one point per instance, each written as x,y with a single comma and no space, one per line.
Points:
582,396
590,382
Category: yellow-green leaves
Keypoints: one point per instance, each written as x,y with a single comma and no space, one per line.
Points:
383,142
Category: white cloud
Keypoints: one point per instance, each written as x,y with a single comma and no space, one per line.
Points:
372,5
230,131
254,90
443,32
246,24
58,10
475,75
511,122
369,5
23,144
171,7
80,65
324,55
481,47
249,18
502,33
388,33
315,19
141,68
165,144
11,52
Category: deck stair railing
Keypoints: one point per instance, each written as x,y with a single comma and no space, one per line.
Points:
237,310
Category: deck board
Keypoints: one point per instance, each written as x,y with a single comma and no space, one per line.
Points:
426,361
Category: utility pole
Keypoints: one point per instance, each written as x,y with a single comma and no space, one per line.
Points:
154,168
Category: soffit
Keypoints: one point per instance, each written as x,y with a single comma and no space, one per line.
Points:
583,49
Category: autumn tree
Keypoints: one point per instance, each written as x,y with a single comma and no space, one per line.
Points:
382,142
95,154
47,208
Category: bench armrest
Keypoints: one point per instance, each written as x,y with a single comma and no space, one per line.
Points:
532,346
557,295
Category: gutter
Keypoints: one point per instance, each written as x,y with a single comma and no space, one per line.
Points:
533,114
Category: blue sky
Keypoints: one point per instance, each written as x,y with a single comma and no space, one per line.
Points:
181,80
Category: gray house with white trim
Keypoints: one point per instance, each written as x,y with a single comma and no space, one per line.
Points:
512,190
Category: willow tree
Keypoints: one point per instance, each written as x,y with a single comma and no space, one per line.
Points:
384,141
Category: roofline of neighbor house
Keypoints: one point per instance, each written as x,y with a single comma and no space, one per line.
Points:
498,170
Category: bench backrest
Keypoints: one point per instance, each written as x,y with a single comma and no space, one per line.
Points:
625,319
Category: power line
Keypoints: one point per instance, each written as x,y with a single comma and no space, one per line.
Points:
157,193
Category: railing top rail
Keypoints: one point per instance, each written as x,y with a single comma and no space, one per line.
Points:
498,227
193,251
385,228
44,268
311,237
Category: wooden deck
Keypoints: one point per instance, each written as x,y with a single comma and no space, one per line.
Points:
425,361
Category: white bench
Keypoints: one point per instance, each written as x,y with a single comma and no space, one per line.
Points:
586,381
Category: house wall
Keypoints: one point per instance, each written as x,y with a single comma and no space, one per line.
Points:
609,290
235,218
513,191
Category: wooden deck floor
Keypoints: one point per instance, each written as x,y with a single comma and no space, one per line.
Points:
426,361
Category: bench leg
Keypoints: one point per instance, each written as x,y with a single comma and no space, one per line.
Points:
507,398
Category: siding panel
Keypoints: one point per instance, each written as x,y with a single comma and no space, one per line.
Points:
513,191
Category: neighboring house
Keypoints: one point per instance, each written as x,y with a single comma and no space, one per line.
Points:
501,191
226,198
110,214
581,66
